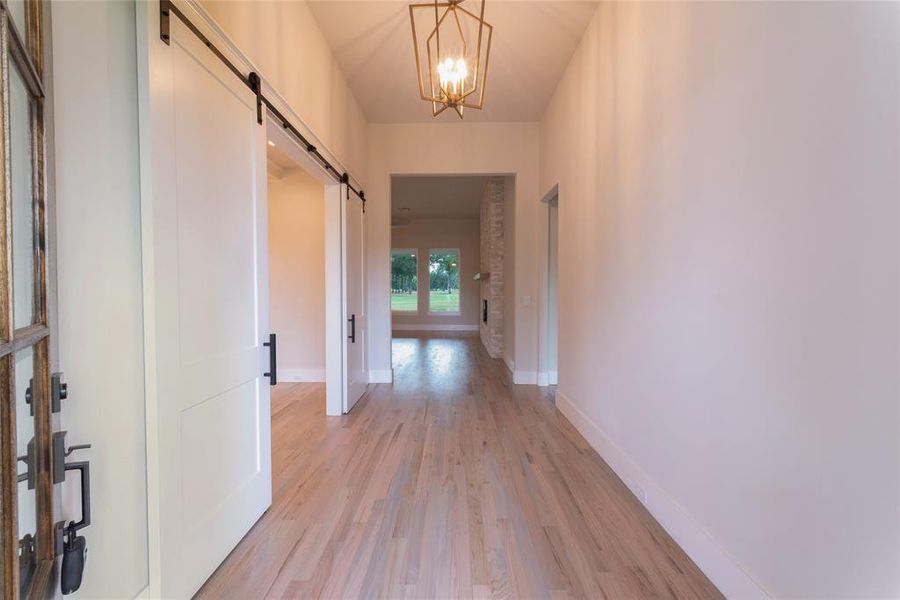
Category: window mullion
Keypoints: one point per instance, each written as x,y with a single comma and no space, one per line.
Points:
34,36
7,326
43,428
9,496
43,433
21,54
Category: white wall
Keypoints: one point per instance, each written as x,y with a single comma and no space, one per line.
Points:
439,234
99,279
470,148
728,280
284,41
297,274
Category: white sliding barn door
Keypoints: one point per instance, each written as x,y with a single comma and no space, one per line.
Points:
206,308
355,373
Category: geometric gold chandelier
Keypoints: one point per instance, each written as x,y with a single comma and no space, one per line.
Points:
454,73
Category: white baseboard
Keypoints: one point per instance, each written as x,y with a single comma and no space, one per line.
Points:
144,594
381,376
525,377
520,377
435,327
714,560
545,378
302,375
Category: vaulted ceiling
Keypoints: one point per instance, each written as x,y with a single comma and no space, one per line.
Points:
533,42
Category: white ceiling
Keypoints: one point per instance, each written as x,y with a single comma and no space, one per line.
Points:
437,197
533,42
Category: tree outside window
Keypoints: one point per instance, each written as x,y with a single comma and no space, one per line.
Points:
404,281
443,274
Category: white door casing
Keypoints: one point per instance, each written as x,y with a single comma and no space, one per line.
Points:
206,307
552,293
353,228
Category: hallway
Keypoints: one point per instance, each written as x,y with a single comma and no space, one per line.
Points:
449,484
655,265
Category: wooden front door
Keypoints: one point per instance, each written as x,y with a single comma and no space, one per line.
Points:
27,534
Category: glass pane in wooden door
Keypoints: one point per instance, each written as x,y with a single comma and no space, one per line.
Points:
22,201
17,12
25,448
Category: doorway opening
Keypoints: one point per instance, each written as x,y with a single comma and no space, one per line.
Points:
296,217
317,275
296,269
451,260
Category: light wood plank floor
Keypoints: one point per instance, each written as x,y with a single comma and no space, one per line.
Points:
450,483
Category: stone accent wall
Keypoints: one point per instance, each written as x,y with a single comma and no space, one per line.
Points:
492,262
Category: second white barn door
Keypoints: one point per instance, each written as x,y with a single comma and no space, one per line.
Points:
206,309
353,230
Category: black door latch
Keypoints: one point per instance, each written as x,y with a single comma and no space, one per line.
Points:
72,546
74,557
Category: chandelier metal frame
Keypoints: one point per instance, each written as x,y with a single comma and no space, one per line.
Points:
441,98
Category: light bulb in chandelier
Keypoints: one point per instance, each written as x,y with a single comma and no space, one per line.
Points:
452,77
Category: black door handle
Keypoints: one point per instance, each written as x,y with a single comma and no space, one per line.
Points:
273,360
84,467
352,336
